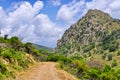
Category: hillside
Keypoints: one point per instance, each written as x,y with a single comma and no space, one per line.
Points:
93,46
15,56
96,31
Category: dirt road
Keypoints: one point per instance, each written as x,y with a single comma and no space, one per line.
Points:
45,71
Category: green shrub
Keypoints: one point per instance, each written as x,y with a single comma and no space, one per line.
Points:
43,51
94,74
87,48
118,53
2,68
107,68
55,57
7,55
104,55
110,56
112,47
15,43
2,39
1,76
114,63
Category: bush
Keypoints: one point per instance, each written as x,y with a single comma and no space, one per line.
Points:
110,56
112,47
55,57
118,53
16,43
104,55
94,74
2,68
87,48
107,68
114,63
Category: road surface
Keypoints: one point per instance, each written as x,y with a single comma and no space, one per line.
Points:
45,71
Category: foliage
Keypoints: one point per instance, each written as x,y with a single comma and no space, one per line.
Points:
114,63
82,69
15,43
104,55
56,57
93,37
87,48
43,51
14,56
112,47
31,50
110,56
94,74
118,53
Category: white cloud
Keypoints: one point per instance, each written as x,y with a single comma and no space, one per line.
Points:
47,30
110,6
54,2
115,5
2,13
28,23
46,26
74,10
68,11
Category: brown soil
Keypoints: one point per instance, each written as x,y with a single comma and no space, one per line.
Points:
45,71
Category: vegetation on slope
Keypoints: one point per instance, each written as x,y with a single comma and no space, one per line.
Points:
96,30
15,56
40,47
91,69
92,47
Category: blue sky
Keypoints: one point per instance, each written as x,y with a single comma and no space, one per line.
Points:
44,21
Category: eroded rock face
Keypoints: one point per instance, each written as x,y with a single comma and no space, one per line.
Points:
89,31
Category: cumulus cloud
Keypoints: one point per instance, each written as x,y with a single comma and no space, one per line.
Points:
112,6
68,12
26,22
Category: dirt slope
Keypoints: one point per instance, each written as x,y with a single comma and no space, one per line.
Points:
45,71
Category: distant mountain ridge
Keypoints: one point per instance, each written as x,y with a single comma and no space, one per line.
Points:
96,30
38,47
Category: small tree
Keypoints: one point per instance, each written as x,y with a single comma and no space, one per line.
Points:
16,43
5,36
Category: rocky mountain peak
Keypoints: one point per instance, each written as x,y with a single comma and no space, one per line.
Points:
97,14
88,32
